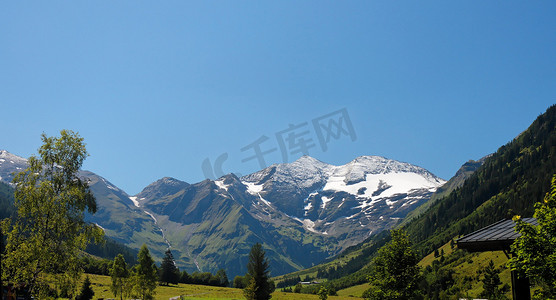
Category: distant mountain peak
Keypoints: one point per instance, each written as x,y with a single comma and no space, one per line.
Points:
4,154
370,157
170,181
162,187
10,164
308,159
229,178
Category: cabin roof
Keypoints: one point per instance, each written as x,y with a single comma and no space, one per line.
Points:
495,237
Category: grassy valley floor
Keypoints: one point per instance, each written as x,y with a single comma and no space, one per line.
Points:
101,287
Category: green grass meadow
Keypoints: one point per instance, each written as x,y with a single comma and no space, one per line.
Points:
101,287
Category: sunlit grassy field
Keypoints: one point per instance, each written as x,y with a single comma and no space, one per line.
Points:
101,287
354,291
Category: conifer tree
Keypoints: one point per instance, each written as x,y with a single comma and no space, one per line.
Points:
169,273
250,291
491,283
145,275
258,275
87,292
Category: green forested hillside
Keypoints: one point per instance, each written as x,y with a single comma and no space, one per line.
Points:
346,267
466,170
110,249
6,201
509,182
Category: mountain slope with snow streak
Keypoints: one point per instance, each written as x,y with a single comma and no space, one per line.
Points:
349,202
303,212
117,213
367,178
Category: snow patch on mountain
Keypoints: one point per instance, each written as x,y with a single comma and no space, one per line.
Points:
324,201
109,185
221,185
308,225
151,215
399,183
252,187
255,189
159,228
264,200
308,207
100,227
134,200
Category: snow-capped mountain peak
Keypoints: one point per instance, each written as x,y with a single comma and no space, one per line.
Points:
364,168
6,156
308,161
306,186
306,172
10,164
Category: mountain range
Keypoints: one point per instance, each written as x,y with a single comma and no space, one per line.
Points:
309,212
499,186
302,212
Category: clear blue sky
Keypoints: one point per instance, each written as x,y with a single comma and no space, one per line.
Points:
156,88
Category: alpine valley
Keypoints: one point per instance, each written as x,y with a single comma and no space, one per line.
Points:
302,212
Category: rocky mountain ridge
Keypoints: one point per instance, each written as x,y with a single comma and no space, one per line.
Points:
302,212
